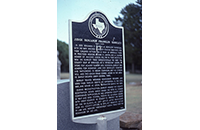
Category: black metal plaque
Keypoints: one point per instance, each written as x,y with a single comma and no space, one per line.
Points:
97,68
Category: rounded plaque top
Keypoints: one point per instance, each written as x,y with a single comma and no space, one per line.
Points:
98,25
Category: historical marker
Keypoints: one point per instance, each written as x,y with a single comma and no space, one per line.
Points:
97,68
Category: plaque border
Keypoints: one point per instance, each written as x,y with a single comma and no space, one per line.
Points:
92,118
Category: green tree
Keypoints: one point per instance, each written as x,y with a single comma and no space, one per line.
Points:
131,20
63,49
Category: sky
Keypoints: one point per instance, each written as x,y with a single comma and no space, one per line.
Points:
78,10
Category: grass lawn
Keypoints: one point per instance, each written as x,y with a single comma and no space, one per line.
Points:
64,75
133,91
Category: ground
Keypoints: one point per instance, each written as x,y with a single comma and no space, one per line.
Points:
133,91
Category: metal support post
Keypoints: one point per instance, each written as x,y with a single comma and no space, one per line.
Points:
102,123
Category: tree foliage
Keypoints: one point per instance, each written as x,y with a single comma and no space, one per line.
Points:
63,49
131,20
